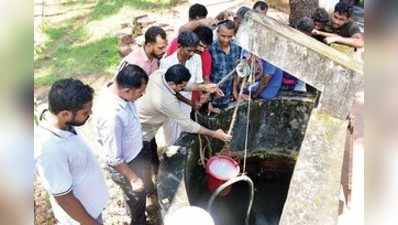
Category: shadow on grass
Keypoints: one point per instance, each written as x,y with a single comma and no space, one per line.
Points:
109,7
72,61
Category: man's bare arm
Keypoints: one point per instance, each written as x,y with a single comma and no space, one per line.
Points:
324,34
264,80
75,209
192,25
355,41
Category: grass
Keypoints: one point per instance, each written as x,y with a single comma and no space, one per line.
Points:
67,53
109,7
71,61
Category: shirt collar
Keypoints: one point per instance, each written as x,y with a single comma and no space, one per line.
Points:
58,132
123,103
120,101
159,79
218,47
144,55
167,85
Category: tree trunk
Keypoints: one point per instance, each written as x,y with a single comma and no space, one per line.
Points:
301,8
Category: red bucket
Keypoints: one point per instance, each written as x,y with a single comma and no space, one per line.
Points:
220,169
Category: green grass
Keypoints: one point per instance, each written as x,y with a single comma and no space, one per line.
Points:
71,61
67,53
110,7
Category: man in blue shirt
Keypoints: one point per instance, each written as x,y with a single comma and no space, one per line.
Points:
268,79
269,83
225,54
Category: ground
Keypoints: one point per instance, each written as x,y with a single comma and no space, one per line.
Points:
77,38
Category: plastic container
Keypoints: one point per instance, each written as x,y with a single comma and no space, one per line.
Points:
220,169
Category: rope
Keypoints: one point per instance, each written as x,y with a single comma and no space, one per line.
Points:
231,126
201,149
248,117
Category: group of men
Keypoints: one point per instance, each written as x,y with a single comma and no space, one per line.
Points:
156,85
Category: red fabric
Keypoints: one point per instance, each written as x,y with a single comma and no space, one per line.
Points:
172,47
206,65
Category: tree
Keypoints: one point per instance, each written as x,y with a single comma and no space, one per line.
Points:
301,8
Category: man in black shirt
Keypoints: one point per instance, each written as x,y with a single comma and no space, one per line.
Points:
342,28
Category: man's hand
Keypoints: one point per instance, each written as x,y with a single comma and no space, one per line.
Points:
213,88
244,97
137,184
213,109
316,32
332,39
209,22
221,135
241,97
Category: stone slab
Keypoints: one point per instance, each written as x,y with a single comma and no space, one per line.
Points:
314,188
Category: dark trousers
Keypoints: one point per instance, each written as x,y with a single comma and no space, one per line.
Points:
135,200
151,154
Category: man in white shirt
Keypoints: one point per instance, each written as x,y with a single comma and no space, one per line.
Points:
160,104
185,55
119,132
66,165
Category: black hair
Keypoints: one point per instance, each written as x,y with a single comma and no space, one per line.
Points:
263,5
178,74
344,8
320,15
131,76
229,24
70,95
197,11
152,33
305,25
188,39
242,11
205,34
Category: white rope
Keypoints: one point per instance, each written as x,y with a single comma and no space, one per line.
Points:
201,149
248,116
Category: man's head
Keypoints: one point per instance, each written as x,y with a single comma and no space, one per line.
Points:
225,32
240,14
197,11
225,15
70,101
155,42
177,77
320,18
305,25
187,44
131,82
205,35
260,7
342,14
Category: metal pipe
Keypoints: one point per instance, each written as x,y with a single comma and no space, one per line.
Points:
228,183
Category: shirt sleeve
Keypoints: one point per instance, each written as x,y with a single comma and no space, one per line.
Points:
354,29
206,65
199,71
53,169
172,109
112,133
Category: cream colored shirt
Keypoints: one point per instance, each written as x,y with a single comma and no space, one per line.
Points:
160,104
